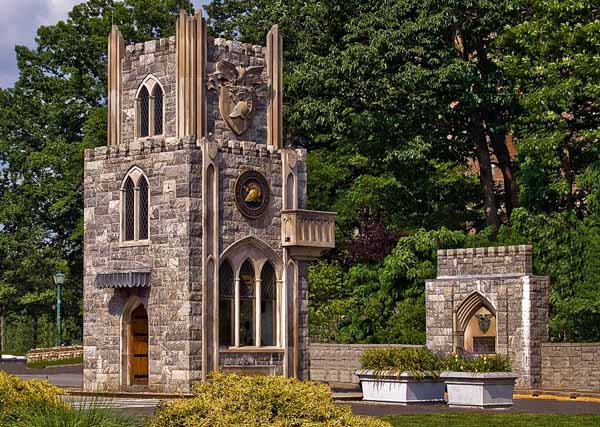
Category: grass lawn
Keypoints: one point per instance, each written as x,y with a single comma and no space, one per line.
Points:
47,363
494,420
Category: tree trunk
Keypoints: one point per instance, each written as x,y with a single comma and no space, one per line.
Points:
34,337
566,171
2,331
485,174
511,192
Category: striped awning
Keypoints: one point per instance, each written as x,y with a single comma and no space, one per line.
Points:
123,279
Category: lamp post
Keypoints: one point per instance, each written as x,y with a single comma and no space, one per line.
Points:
59,279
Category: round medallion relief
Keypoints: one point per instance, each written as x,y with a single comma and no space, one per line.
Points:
252,194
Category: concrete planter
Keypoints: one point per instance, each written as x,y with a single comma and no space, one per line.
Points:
480,390
389,386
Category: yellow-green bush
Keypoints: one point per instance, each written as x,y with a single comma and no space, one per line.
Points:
17,394
231,400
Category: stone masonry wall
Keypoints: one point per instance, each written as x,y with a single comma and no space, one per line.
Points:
156,57
55,353
571,367
502,275
336,363
245,55
479,261
174,184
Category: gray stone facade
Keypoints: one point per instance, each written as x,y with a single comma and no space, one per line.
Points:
500,279
571,367
336,363
194,227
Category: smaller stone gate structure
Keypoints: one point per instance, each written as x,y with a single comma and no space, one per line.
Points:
487,300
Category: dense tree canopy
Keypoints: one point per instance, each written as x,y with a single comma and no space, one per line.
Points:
405,106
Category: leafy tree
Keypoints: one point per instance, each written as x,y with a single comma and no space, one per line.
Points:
55,110
553,58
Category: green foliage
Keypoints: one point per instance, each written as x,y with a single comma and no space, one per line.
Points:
416,361
552,58
482,364
55,111
257,401
377,303
91,415
48,363
494,420
17,395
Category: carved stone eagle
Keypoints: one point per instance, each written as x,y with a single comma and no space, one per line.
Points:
238,91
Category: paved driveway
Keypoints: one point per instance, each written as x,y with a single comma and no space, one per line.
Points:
63,376
72,377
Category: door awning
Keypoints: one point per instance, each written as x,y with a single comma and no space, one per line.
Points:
123,279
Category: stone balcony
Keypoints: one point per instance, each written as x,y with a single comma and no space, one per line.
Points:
307,234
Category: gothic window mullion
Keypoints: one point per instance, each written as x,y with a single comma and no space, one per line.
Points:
151,125
258,328
136,212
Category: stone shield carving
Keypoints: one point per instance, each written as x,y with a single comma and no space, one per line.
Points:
484,322
252,194
239,88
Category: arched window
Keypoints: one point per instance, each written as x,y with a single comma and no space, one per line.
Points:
144,99
150,108
226,304
157,94
268,305
134,207
251,296
247,287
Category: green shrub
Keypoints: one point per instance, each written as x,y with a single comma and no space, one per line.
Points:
48,363
91,415
17,394
416,361
231,400
496,363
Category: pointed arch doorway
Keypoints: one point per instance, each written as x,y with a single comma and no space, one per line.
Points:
137,346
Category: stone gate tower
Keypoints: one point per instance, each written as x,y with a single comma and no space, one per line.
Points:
196,237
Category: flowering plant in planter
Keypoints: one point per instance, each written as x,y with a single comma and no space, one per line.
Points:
484,381
402,375
495,363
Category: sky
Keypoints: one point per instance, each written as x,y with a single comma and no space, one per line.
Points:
19,21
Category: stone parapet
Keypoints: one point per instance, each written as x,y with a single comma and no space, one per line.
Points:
336,363
54,353
485,261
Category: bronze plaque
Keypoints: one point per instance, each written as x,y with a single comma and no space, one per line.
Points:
252,194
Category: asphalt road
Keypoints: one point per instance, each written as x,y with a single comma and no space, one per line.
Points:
62,376
72,376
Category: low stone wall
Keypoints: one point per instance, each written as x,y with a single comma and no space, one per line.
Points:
571,367
54,353
336,363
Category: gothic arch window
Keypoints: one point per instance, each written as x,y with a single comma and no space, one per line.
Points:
226,304
268,305
135,196
250,299
150,108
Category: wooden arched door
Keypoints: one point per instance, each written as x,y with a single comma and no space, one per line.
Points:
138,347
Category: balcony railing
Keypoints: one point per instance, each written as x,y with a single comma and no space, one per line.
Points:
307,233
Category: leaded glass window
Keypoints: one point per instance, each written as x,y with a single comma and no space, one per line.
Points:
143,184
268,312
144,114
247,304
129,210
226,304
158,110
135,196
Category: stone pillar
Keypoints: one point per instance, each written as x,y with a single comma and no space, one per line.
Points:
500,279
116,53
191,75
274,72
